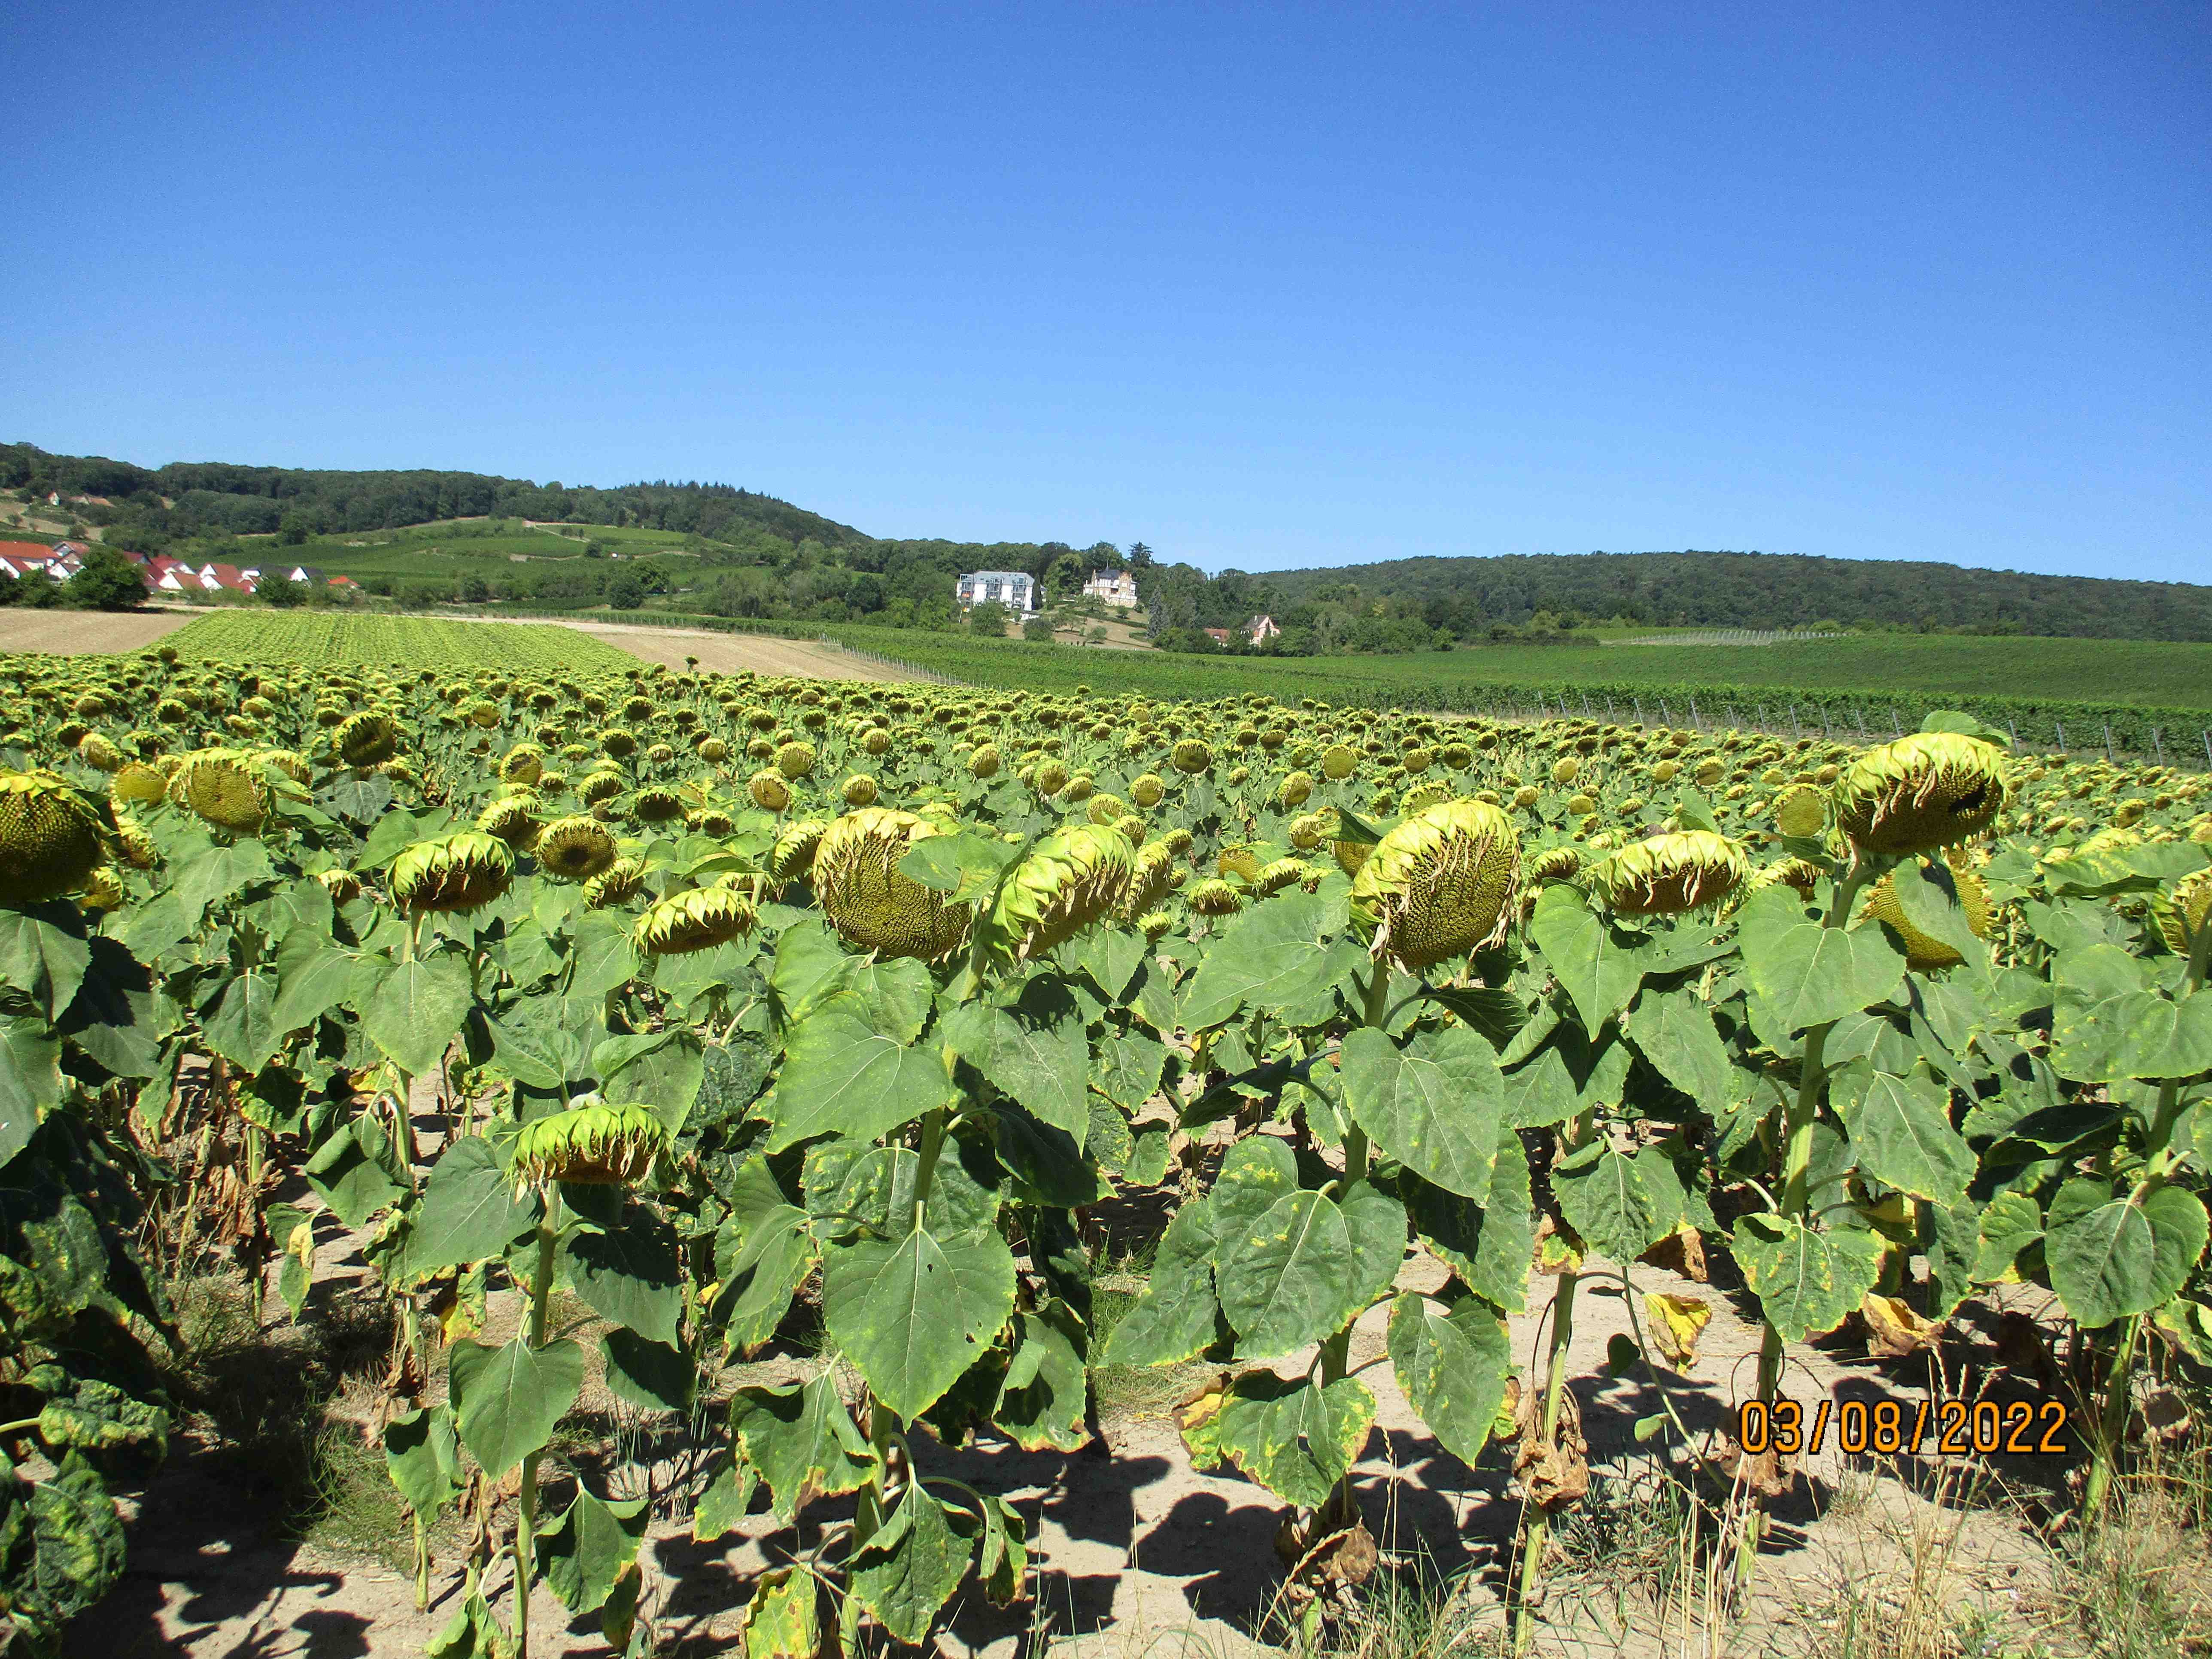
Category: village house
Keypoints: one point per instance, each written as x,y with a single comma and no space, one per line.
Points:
1260,630
1116,588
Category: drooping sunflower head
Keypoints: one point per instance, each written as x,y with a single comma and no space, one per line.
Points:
985,761
1555,864
1149,881
870,901
2184,912
511,820
223,787
1922,791
51,838
696,920
575,848
454,872
795,760
793,855
1214,897
1074,877
524,764
1801,876
618,883
1339,762
1296,789
593,1146
654,804
342,885
714,751
1925,954
1146,790
368,739
139,783
1191,757
858,790
1438,886
97,752
1666,875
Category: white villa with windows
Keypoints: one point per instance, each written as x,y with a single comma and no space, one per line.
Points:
1014,589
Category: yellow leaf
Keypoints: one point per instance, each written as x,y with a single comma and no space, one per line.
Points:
1676,1324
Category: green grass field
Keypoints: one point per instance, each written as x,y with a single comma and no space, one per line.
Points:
262,637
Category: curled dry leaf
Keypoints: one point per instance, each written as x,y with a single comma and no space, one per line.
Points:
1677,1321
1893,1329
1553,1473
1682,1251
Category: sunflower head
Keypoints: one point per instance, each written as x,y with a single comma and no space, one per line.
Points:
1438,886
696,920
596,1145
455,872
1666,875
858,790
870,901
223,787
1191,757
1923,790
618,883
1214,897
139,783
1074,877
1339,762
524,764
1800,811
97,752
714,751
795,760
793,855
654,804
342,885
1922,953
1555,864
768,790
1296,789
985,761
368,739
51,838
575,848
1146,790
510,819
2183,913
1149,881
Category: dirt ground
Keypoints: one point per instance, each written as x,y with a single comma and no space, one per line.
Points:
726,653
1134,1553
74,632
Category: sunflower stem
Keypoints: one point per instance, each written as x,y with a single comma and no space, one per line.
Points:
526,1521
1803,1114
1537,1539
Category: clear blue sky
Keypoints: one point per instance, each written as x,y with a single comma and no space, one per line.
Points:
1265,285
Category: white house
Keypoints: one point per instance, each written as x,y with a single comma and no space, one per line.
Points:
1116,588
1014,589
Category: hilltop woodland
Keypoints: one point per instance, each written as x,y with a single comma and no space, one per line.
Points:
429,537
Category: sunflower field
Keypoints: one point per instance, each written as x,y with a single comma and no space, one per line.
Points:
745,1012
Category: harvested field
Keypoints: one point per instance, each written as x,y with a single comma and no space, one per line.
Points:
731,654
74,632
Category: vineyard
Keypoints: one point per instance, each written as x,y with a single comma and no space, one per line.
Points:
2156,698
715,1127
260,636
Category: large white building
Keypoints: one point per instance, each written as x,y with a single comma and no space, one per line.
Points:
1116,588
1014,589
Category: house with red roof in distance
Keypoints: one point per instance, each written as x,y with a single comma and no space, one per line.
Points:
226,577
345,583
1219,635
56,560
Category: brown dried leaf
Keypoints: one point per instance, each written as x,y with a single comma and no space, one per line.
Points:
1682,1251
1893,1329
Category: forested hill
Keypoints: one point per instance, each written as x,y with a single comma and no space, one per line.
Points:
188,499
1765,590
752,555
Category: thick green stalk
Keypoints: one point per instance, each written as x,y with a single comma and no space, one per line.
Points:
2113,1420
1796,1165
525,1524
